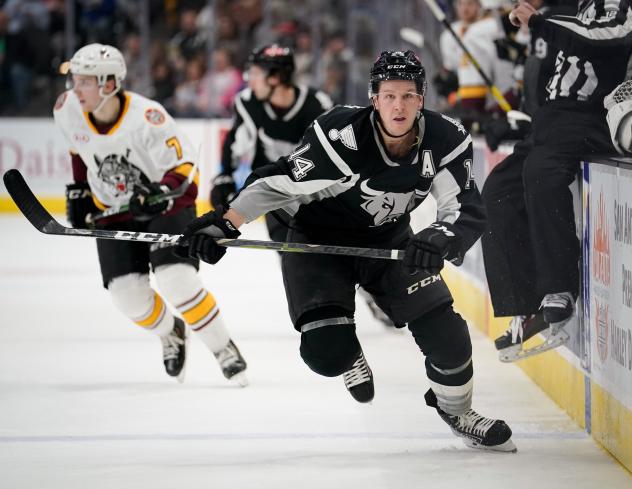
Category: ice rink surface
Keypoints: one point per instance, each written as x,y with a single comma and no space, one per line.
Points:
85,402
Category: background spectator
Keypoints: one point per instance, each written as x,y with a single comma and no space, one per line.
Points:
219,86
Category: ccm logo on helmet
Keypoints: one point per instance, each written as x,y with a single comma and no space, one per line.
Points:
423,283
395,67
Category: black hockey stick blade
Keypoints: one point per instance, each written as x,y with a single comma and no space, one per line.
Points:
29,205
41,219
45,223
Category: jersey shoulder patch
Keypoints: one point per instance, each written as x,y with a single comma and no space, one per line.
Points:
61,100
345,135
155,116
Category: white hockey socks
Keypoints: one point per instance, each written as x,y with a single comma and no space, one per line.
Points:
133,296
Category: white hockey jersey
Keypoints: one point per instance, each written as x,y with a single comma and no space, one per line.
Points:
142,146
479,39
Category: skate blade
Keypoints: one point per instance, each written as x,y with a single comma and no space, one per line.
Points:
239,379
506,447
516,353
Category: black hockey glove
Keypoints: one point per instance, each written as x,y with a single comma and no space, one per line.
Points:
198,237
140,204
427,249
223,190
446,82
499,130
79,204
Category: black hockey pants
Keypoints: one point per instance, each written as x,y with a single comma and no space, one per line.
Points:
530,247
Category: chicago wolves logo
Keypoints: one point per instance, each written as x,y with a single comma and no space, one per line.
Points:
118,172
385,206
346,136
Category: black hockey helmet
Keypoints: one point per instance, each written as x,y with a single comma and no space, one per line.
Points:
397,65
276,59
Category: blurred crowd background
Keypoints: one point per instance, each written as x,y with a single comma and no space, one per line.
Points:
189,54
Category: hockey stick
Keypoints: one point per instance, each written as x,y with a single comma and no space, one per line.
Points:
45,223
123,208
440,16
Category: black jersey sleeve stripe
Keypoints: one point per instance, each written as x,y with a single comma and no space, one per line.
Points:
456,151
245,116
240,139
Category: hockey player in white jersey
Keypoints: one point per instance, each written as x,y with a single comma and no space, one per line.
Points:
126,149
478,34
355,178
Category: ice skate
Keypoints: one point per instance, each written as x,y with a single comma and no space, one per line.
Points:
174,350
232,364
475,430
510,345
359,380
557,310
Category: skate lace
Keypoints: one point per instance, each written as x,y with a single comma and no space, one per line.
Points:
357,374
171,346
473,423
227,356
516,327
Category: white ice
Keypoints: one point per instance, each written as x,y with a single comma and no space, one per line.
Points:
85,402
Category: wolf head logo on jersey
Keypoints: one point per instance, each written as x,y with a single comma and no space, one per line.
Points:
385,206
118,172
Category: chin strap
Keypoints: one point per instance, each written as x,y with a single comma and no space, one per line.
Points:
105,97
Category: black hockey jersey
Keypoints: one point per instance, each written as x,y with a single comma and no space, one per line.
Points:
592,49
342,187
261,135
540,64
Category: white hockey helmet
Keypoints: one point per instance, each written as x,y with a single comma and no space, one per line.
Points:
495,4
99,60
618,103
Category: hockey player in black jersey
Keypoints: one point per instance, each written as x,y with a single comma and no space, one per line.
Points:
355,177
271,116
531,248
